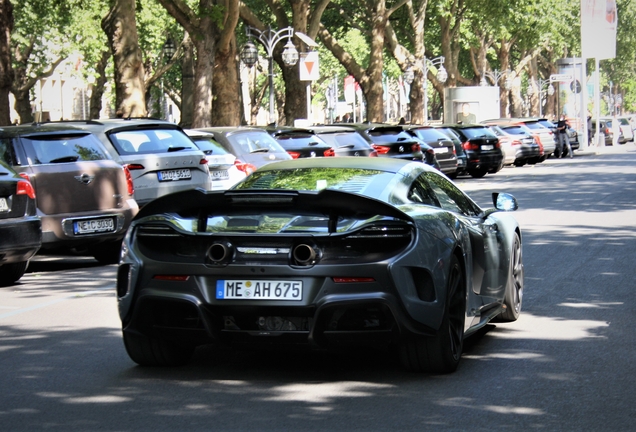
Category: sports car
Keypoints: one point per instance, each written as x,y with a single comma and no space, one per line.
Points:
321,253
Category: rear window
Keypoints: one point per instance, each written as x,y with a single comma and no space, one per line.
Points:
50,149
382,136
299,139
209,146
429,134
145,141
344,139
515,130
478,132
254,142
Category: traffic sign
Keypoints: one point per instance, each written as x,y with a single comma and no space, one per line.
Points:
309,70
561,77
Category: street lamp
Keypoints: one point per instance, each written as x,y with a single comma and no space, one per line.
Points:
442,76
169,49
495,76
269,39
544,85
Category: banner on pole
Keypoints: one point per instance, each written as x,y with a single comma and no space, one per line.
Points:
598,29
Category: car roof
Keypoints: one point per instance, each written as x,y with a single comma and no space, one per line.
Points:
381,164
38,128
120,123
228,130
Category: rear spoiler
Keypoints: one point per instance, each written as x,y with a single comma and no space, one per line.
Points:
334,204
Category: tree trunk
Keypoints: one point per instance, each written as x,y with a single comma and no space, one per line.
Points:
372,85
98,87
187,86
121,30
23,107
226,103
6,71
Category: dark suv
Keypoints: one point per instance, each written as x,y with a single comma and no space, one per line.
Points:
84,198
390,141
482,147
161,158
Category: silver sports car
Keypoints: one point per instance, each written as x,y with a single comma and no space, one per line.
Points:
321,252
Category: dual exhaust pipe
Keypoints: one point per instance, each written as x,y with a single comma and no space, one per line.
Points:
222,252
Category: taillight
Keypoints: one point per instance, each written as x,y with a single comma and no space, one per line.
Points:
329,153
373,154
203,161
498,144
132,167
607,131
293,154
25,187
381,149
515,143
129,181
245,167
415,148
470,146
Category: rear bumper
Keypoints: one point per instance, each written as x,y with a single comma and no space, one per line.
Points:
20,240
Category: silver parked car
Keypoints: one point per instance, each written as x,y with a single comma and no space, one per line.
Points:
161,158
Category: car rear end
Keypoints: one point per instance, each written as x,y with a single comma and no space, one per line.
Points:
223,166
394,142
442,147
462,159
524,146
302,143
482,147
20,227
83,197
547,137
345,141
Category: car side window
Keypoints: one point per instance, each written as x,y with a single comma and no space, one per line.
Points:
421,192
7,152
449,196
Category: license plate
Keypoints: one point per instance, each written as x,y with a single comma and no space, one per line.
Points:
441,150
259,290
487,147
219,175
94,225
174,175
4,206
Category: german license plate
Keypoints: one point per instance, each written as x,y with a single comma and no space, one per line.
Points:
219,175
94,226
259,290
174,175
441,150
487,147
4,206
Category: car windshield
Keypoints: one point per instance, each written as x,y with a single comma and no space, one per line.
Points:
344,139
47,149
209,146
143,141
315,179
254,142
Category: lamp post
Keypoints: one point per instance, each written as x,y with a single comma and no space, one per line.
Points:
169,50
544,85
442,76
495,76
269,39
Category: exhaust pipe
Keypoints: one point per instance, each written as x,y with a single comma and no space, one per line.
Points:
220,252
304,255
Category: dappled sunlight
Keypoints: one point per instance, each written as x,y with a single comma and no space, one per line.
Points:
462,402
550,328
97,399
324,392
595,305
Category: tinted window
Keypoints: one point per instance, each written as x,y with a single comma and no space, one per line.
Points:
209,146
151,141
448,195
344,139
299,139
46,149
382,136
254,142
515,130
478,132
7,152
429,134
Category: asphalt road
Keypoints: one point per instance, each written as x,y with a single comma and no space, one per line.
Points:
567,364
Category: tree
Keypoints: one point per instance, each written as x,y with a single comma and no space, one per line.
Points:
121,29
6,71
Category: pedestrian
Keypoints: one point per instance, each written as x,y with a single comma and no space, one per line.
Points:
402,121
564,139
589,130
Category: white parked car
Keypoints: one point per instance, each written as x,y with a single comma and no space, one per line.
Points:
223,165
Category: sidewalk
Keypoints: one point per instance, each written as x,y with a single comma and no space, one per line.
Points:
594,150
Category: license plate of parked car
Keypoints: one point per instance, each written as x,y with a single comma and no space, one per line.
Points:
173,175
219,175
94,225
3,205
441,150
259,290
487,147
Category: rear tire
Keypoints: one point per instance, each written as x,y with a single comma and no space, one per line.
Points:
479,173
514,288
441,353
12,272
107,253
147,351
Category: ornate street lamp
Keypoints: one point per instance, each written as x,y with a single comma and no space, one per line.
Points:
269,39
544,85
169,49
495,76
442,76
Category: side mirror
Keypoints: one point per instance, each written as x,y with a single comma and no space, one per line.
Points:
504,202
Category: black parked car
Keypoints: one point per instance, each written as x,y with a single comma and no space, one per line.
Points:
20,227
482,148
462,159
344,140
442,147
390,140
300,143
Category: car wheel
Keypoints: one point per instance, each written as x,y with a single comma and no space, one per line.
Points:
441,353
146,351
479,173
452,176
514,289
11,273
107,253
